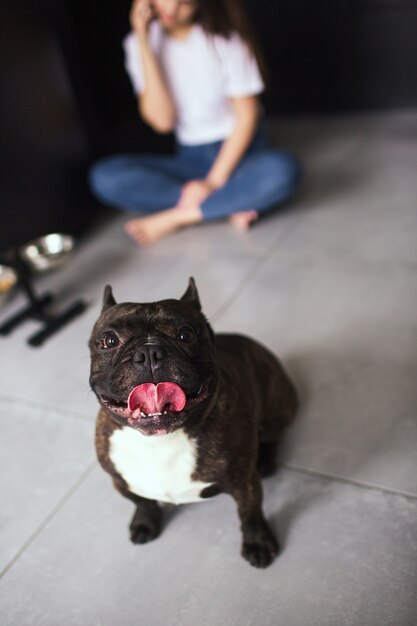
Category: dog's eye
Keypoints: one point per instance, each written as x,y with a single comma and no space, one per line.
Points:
109,340
186,334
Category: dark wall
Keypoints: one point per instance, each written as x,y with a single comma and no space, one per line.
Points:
385,53
339,55
44,153
65,97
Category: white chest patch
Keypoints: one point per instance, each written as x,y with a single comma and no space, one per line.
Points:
159,468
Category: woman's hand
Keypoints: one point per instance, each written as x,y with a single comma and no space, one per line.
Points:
141,15
195,192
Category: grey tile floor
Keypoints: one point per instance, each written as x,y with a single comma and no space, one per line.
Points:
330,284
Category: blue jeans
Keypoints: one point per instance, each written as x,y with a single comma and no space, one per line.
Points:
151,183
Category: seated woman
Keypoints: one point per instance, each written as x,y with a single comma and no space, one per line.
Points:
197,71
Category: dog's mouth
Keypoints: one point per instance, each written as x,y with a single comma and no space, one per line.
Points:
156,409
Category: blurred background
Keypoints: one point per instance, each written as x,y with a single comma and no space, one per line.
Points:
66,100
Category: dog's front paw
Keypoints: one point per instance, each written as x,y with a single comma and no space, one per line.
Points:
143,533
260,553
146,523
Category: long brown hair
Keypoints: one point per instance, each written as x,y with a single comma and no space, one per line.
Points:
224,17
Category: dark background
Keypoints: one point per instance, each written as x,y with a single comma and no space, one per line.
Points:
66,100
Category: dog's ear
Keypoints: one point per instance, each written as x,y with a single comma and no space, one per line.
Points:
108,298
191,295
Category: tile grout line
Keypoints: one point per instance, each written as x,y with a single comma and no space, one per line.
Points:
347,481
229,301
48,518
287,466
252,272
14,400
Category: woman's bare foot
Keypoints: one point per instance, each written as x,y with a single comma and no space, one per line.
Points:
146,230
243,219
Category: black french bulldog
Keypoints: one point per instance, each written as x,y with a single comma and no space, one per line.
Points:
186,414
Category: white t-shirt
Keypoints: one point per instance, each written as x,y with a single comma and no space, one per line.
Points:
202,73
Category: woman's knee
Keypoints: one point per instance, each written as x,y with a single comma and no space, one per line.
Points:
99,174
105,176
285,169
273,176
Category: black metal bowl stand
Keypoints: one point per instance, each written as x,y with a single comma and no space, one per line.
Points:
37,307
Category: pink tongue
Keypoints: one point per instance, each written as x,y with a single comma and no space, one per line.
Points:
149,398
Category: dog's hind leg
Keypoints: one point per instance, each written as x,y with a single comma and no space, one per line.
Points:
265,464
281,411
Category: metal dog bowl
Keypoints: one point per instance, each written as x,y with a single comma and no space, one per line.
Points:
48,252
8,279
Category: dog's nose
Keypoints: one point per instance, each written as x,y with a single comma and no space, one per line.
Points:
156,353
150,354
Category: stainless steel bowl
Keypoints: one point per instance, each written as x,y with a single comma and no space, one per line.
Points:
8,279
48,252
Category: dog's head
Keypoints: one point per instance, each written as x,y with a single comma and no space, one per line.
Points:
152,364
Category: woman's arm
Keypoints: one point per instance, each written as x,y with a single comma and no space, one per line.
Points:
232,151
155,102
